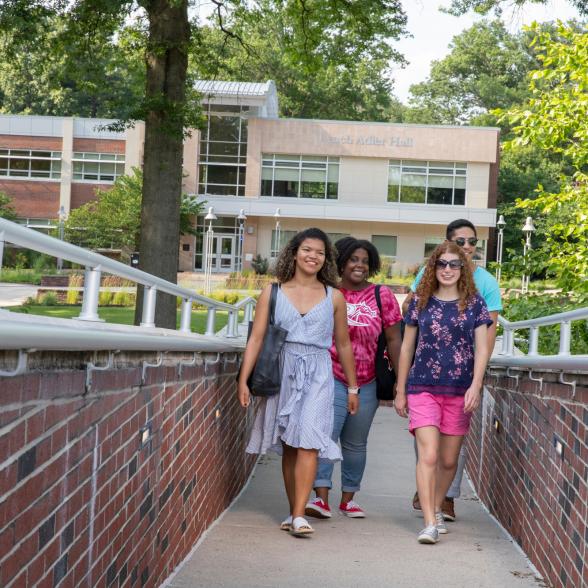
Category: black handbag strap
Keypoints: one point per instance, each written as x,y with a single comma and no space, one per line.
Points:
272,308
379,303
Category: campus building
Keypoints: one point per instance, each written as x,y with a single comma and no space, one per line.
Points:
397,185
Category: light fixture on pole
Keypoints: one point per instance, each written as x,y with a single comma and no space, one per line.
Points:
278,231
62,216
241,218
528,229
209,238
501,223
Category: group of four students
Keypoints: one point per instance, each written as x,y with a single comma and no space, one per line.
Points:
330,310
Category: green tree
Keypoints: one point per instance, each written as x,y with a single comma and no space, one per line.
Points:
6,207
554,120
113,220
485,69
345,77
459,7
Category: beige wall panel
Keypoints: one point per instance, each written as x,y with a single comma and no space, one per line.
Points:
363,180
190,162
353,139
477,181
134,142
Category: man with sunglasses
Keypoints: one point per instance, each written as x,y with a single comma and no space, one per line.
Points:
463,233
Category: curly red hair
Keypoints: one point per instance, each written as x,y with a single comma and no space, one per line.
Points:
429,283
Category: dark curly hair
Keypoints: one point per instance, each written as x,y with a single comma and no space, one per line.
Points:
429,283
286,265
345,248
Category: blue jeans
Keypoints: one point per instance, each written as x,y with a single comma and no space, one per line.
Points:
352,431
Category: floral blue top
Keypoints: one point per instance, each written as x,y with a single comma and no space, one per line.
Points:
444,356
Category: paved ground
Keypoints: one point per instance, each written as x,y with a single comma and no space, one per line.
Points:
246,548
15,294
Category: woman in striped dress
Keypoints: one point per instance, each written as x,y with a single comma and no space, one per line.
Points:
297,422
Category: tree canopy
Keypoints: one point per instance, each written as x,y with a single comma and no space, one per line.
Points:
459,7
554,120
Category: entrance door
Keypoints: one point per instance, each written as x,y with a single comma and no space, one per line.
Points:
223,253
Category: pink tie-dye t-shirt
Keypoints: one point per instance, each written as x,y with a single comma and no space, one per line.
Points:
365,325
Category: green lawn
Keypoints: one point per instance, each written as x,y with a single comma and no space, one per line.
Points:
116,314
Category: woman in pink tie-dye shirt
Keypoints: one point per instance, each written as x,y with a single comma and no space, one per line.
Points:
357,260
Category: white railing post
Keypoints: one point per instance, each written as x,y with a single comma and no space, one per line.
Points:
248,313
1,249
210,320
149,299
533,340
186,319
232,324
91,291
565,337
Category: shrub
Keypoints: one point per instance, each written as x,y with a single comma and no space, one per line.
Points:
105,298
123,299
48,299
260,265
72,296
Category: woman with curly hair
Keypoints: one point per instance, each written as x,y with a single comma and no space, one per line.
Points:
442,388
297,422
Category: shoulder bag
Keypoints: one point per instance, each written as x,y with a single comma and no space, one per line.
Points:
266,376
385,376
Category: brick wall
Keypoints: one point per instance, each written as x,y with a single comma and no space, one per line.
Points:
113,484
540,497
30,142
33,199
99,145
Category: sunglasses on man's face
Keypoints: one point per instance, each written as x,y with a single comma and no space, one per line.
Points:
454,264
461,241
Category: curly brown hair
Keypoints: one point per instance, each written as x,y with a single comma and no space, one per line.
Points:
429,283
286,265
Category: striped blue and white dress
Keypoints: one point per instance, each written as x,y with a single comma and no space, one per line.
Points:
301,415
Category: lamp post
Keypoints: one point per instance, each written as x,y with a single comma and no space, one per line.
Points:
278,230
527,229
501,223
208,249
62,216
241,218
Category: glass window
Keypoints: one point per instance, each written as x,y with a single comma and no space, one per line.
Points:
97,167
430,244
300,176
427,182
223,149
30,163
385,244
285,237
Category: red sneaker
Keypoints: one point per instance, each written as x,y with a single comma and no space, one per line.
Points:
318,508
352,510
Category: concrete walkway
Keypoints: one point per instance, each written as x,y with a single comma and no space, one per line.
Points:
16,294
246,548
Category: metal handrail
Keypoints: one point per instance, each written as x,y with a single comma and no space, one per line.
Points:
510,356
95,264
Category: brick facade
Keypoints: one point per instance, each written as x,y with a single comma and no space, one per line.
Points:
115,482
99,145
33,199
540,497
29,142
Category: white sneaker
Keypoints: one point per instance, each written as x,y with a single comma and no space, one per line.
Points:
440,523
428,535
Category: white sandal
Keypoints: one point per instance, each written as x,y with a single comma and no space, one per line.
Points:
301,527
286,524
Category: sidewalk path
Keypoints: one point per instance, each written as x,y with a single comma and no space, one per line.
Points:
16,294
246,549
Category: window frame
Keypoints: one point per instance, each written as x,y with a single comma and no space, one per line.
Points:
427,170
80,174
8,155
301,163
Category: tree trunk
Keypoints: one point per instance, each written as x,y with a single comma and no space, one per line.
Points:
167,65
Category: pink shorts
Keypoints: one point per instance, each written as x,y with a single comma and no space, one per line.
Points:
438,410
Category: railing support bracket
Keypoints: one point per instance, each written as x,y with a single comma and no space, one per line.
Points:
540,380
21,366
146,365
572,383
92,367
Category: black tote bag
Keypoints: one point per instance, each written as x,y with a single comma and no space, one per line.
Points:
266,377
385,376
